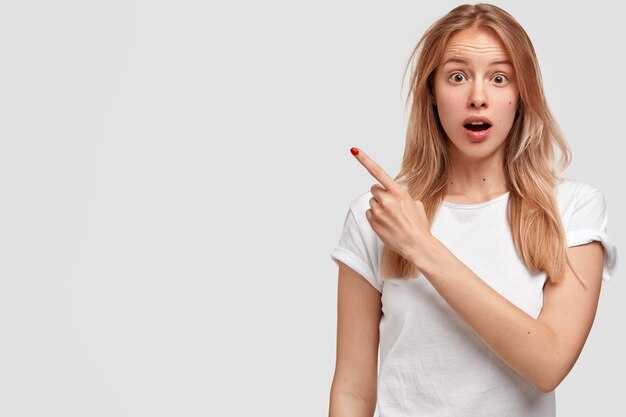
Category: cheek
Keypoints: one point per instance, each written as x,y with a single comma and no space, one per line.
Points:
506,115
448,102
507,105
451,108
513,105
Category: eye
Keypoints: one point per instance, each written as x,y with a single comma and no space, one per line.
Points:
500,79
457,77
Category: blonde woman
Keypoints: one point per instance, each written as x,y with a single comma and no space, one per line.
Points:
477,270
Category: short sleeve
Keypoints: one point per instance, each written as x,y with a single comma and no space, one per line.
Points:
356,248
588,223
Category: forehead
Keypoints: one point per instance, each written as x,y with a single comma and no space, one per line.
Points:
475,43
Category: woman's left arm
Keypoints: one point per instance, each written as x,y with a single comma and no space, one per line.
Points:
543,351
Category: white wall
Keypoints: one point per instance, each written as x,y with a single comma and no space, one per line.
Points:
174,175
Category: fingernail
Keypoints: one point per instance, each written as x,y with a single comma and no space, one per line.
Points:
354,151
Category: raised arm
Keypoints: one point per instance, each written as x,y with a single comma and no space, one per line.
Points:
353,391
542,351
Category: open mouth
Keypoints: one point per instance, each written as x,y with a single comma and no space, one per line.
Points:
477,126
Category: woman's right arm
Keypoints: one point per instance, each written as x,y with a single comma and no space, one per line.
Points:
353,391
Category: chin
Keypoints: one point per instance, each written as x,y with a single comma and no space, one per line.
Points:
477,151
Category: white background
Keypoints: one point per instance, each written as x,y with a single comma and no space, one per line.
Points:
174,175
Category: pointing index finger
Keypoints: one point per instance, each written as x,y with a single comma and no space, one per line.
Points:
374,169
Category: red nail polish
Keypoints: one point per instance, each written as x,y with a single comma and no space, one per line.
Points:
354,151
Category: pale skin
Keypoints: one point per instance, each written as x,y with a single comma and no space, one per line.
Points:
472,79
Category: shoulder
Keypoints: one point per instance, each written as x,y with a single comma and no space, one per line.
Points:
362,241
569,189
581,205
571,193
585,217
360,204
358,207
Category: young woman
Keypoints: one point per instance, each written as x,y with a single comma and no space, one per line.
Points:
477,270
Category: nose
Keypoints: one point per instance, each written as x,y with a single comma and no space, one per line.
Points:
478,96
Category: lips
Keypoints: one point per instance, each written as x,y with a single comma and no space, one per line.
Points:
477,128
477,124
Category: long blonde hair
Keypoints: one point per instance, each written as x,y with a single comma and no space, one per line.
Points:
529,161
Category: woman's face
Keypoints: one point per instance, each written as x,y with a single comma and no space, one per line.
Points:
476,94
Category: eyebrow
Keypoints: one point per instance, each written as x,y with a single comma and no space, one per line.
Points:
456,60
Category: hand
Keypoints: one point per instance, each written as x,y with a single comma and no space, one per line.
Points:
398,220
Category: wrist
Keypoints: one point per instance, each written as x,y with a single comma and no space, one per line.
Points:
424,256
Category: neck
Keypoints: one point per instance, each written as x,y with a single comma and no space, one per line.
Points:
476,179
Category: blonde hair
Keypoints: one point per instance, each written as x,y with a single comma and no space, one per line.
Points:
529,161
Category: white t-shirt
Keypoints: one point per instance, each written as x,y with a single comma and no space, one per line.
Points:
431,361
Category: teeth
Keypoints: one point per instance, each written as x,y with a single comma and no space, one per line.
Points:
477,123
